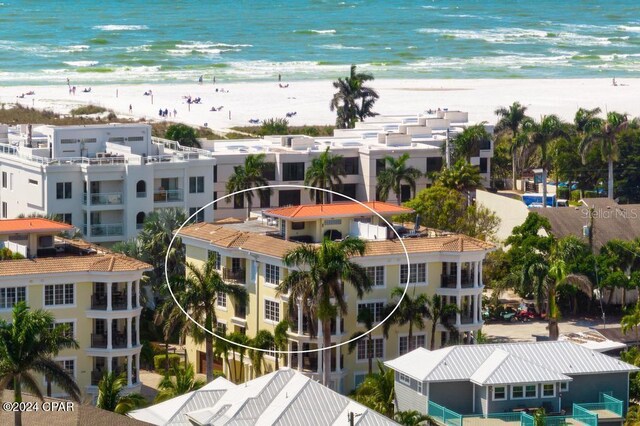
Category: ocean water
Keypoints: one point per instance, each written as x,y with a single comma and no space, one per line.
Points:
44,42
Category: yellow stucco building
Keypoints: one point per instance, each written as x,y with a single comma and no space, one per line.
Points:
95,292
249,254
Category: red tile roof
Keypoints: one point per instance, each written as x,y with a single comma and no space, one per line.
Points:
349,209
31,225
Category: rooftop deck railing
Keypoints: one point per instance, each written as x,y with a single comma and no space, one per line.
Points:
444,415
607,402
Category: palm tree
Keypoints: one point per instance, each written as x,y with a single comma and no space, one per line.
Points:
28,344
221,350
184,382
111,398
606,136
586,120
439,312
412,311
197,293
345,100
248,176
325,173
323,271
281,339
241,350
365,317
413,418
468,143
510,125
396,172
263,340
540,135
463,177
632,321
377,391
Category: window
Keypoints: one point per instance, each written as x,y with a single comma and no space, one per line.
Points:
419,387
524,391
405,193
271,310
348,189
9,296
269,171
66,218
272,274
289,198
217,260
329,222
116,139
69,365
418,342
215,197
4,209
357,379
499,393
70,328
221,300
376,309
380,165
351,165
293,171
376,275
45,241
33,182
376,346
564,386
418,273
434,164
59,294
484,165
221,328
402,378
141,189
548,390
68,141
199,217
265,198
215,174
135,139
297,226
196,184
63,190
140,220
4,179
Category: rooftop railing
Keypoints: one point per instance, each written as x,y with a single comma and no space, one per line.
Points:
103,198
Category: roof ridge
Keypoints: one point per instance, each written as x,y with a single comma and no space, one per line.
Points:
296,396
448,351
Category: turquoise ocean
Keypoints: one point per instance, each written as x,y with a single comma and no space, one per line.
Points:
135,41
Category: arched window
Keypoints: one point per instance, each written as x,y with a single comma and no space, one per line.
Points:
141,189
140,220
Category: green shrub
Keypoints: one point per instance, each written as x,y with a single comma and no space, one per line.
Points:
575,195
184,134
88,109
274,126
592,194
563,193
158,362
218,373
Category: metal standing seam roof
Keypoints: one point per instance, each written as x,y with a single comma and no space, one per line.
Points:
460,363
502,368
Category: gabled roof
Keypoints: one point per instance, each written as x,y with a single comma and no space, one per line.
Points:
502,368
336,210
462,362
32,225
284,397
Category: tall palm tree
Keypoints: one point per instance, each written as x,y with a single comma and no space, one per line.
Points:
586,120
325,173
281,340
413,418
395,173
365,317
221,350
540,135
262,340
632,321
377,391
463,177
510,125
111,397
197,293
323,271
351,89
241,350
468,143
606,136
412,311
184,381
28,344
439,313
248,176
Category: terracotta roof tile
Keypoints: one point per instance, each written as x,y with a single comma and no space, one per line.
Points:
58,264
30,225
313,211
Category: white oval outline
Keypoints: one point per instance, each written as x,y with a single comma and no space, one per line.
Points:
257,188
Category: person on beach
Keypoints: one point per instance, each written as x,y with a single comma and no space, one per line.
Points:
200,79
175,113
279,77
130,109
614,81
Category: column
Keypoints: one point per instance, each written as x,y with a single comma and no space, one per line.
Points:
458,276
300,318
459,303
109,291
109,363
128,331
475,274
129,362
138,368
300,355
138,293
138,330
338,330
478,312
338,366
288,355
109,335
129,295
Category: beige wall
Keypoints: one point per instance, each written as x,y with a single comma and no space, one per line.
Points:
511,212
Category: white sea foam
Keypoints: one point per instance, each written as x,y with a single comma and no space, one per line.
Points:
141,48
323,31
520,36
629,28
81,63
339,47
72,49
120,27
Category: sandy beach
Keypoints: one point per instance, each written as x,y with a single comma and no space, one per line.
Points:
310,100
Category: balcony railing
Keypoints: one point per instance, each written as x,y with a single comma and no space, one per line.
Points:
168,196
119,300
99,301
466,319
450,281
237,276
98,340
119,340
103,198
107,230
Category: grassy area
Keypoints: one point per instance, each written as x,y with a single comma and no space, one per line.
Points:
292,130
24,115
88,110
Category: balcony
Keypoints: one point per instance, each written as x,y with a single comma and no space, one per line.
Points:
236,276
450,281
118,301
119,340
99,341
107,230
99,301
103,198
168,196
466,319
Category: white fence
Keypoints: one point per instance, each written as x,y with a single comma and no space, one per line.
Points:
14,247
368,231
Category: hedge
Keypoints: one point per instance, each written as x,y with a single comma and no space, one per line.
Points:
575,195
159,361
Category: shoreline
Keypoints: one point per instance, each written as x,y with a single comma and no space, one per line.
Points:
310,99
